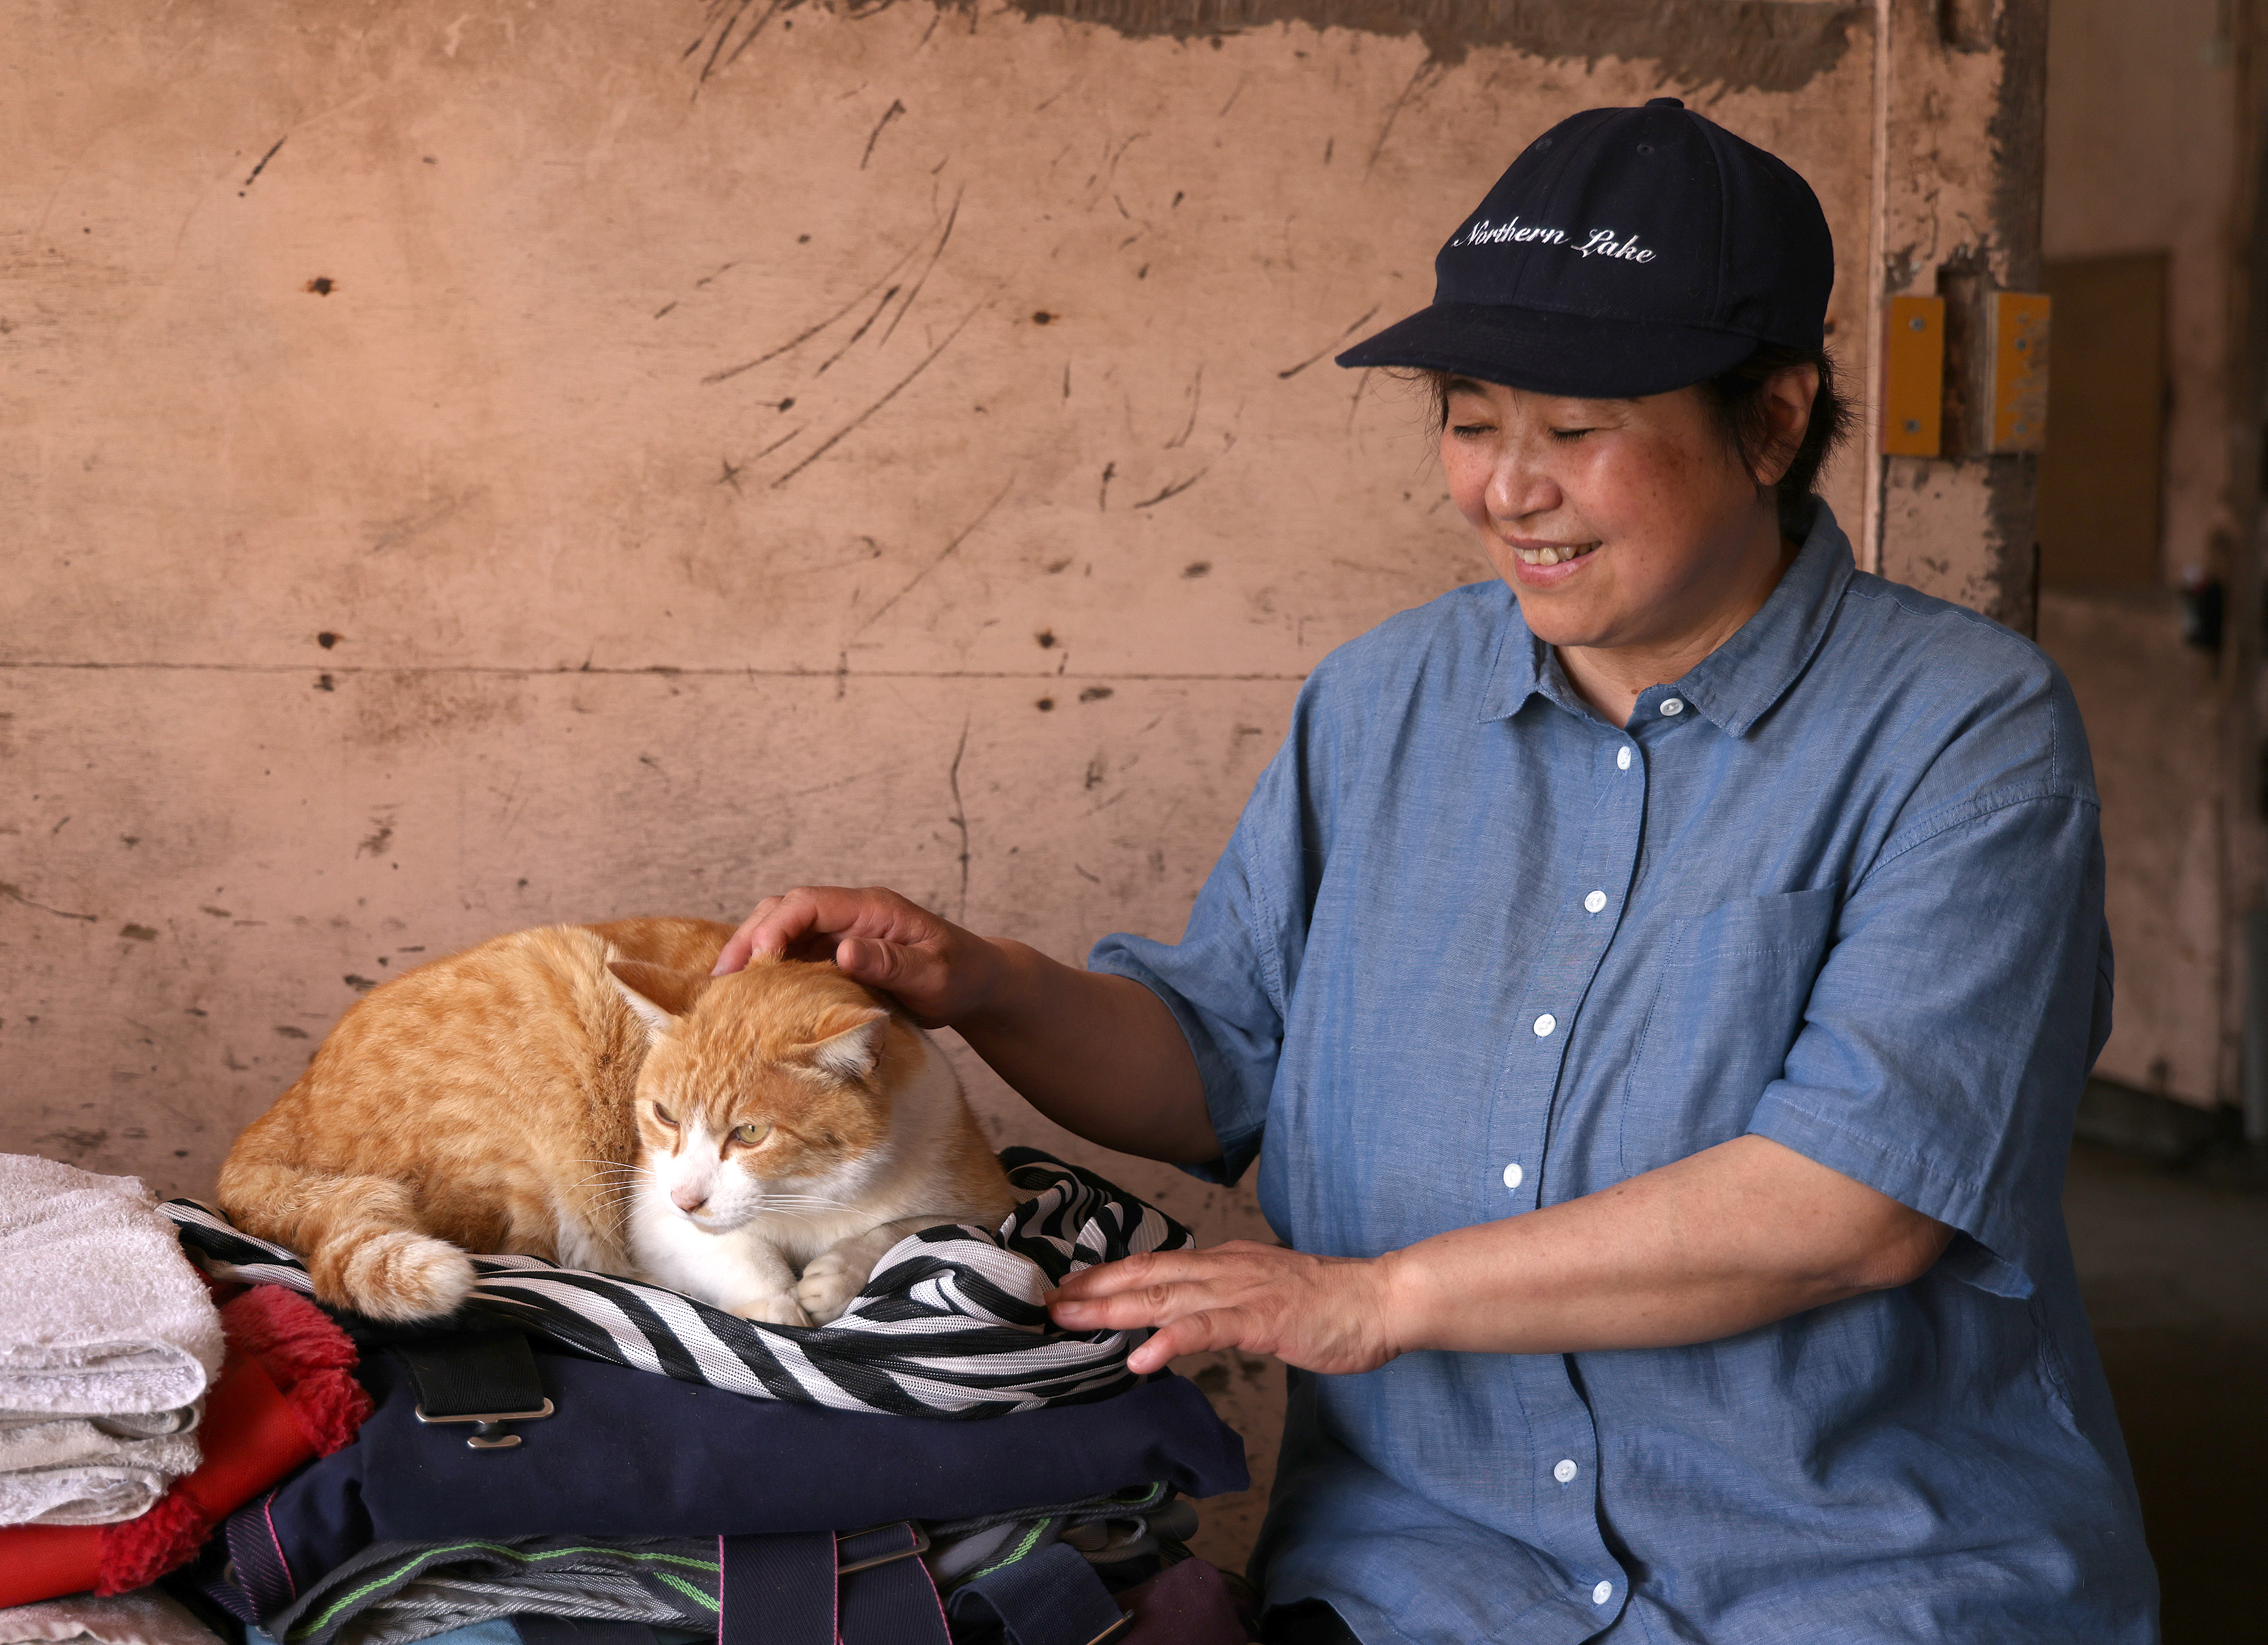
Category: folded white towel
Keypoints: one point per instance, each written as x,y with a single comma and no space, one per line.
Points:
144,1617
100,1317
90,1470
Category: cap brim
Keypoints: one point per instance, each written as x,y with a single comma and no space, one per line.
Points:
1577,355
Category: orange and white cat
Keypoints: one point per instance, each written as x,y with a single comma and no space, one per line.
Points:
590,1094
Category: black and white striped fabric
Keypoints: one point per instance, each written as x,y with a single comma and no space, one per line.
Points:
950,1324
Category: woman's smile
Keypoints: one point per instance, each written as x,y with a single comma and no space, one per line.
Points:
1543,554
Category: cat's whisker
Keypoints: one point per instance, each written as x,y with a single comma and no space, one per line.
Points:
603,1177
623,1201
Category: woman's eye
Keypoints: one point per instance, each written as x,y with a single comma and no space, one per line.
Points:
664,1115
1468,430
1569,434
748,1136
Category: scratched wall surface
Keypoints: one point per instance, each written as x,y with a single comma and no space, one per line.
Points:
462,470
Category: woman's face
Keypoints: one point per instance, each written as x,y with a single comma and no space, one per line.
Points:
1622,524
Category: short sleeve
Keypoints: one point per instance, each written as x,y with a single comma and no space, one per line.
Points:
1951,1027
1228,981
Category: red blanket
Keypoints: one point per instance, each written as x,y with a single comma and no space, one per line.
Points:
285,1396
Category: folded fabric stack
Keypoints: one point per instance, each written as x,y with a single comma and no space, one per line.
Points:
134,1415
108,1341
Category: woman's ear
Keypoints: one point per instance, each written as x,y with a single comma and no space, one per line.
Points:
1786,405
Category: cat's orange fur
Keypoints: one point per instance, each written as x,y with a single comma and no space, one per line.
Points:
550,1092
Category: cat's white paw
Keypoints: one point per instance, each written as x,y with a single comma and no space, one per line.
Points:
828,1286
780,1309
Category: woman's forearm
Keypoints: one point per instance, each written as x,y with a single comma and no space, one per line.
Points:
1099,1055
1724,1241
1729,1239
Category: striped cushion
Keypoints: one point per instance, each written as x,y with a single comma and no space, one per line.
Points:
950,1324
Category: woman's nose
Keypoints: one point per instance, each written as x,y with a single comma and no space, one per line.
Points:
1519,487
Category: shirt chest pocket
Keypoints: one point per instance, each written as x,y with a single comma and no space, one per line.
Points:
1730,1001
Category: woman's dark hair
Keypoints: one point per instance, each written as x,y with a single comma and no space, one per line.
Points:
1737,397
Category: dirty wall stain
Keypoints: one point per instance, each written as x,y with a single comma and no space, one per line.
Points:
1729,45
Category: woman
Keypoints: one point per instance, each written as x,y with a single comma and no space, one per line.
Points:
1655,987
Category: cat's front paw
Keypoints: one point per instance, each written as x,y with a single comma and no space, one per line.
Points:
780,1309
828,1286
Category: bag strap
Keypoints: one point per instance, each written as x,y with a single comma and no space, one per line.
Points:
1050,1597
811,1588
485,1377
887,1597
775,1590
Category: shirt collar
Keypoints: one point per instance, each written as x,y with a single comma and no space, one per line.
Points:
1735,684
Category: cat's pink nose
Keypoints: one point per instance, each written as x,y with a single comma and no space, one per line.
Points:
688,1200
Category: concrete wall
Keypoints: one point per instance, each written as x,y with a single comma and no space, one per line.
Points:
469,468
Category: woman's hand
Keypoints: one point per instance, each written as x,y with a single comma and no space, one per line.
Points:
1330,1314
1099,1055
938,972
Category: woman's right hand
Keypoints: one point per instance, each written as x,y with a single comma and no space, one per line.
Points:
941,973
1098,1054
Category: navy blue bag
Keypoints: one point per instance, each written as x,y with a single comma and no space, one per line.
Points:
633,1455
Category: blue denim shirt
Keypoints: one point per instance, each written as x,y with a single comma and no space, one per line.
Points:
1473,950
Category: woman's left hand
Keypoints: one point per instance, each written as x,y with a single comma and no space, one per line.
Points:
1329,1314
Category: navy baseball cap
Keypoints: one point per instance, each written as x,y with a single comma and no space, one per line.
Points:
1627,252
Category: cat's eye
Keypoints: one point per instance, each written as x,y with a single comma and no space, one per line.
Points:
664,1115
748,1136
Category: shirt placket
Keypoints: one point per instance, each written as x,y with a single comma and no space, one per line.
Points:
1592,892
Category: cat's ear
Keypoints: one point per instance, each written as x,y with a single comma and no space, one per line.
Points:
658,995
851,1051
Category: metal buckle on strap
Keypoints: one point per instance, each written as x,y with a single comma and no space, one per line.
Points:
489,1434
920,1545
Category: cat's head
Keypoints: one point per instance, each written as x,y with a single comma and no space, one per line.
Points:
766,1090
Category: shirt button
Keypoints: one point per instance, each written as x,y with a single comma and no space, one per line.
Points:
1673,706
1621,759
1544,1024
1565,1470
1512,1175
1604,1592
1596,901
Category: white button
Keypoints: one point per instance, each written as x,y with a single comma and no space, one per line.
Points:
1544,1024
1673,706
1596,901
1564,1469
1512,1175
1604,1592
1621,759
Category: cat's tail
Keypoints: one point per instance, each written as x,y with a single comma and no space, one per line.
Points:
359,1236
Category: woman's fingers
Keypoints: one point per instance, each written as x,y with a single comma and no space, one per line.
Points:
936,970
1322,1314
809,921
743,942
1191,1333
918,976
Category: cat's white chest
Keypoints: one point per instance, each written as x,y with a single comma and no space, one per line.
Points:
743,1271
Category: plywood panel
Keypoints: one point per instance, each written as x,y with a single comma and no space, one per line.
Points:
2102,476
